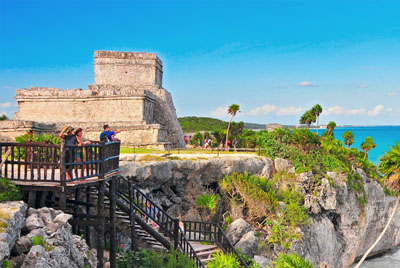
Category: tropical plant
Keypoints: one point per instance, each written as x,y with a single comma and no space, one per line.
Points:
389,166
330,127
317,110
291,260
348,138
232,110
222,260
207,202
150,259
367,145
9,191
307,118
197,138
3,117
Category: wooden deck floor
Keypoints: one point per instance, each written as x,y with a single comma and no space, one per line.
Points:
43,178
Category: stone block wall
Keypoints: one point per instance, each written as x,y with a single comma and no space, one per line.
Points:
127,68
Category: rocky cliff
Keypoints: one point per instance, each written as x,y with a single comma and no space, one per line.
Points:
341,227
41,238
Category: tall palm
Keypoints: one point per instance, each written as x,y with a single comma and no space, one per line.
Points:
232,110
330,127
367,145
348,138
307,118
317,110
390,166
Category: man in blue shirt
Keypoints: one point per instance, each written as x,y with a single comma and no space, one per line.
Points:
109,135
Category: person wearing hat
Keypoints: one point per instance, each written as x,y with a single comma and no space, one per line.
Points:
69,141
108,134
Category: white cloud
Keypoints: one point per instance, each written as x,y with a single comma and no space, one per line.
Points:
270,108
266,109
220,112
340,110
356,111
377,110
306,84
393,93
291,110
6,105
389,110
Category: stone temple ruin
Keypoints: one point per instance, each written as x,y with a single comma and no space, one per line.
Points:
127,93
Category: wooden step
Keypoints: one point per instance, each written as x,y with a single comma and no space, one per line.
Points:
207,253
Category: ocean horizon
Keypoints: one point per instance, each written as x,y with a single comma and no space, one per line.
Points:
383,136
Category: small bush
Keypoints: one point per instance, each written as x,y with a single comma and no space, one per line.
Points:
207,201
222,260
151,259
291,261
9,191
37,241
6,264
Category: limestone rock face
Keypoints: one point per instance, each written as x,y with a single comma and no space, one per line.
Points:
179,181
236,230
283,164
12,219
343,229
61,248
262,261
248,244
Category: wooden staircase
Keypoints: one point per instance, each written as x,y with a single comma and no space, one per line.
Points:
144,240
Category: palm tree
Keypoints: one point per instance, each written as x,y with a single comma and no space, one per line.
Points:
348,138
330,127
367,145
317,110
390,166
232,110
307,118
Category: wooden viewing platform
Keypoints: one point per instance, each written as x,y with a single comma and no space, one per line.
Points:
34,165
41,172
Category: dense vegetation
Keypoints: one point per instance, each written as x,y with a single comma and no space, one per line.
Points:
193,124
9,191
3,117
150,259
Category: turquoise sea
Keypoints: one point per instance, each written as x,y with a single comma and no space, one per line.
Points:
383,136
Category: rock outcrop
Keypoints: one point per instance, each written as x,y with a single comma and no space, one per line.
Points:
341,227
48,241
12,219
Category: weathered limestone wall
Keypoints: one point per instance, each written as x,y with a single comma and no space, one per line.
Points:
9,129
127,68
54,105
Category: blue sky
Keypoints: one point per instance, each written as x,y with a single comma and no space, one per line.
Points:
274,58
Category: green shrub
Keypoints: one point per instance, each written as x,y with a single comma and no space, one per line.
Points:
37,241
6,264
222,260
207,201
291,261
150,259
9,191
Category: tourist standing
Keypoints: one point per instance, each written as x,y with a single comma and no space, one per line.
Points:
109,135
69,142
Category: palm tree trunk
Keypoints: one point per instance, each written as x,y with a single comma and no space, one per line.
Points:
317,124
227,134
365,155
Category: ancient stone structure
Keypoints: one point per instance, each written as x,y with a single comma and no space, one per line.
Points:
127,94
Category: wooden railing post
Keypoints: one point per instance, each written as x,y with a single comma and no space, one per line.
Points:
100,226
176,233
113,232
102,162
132,218
63,179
